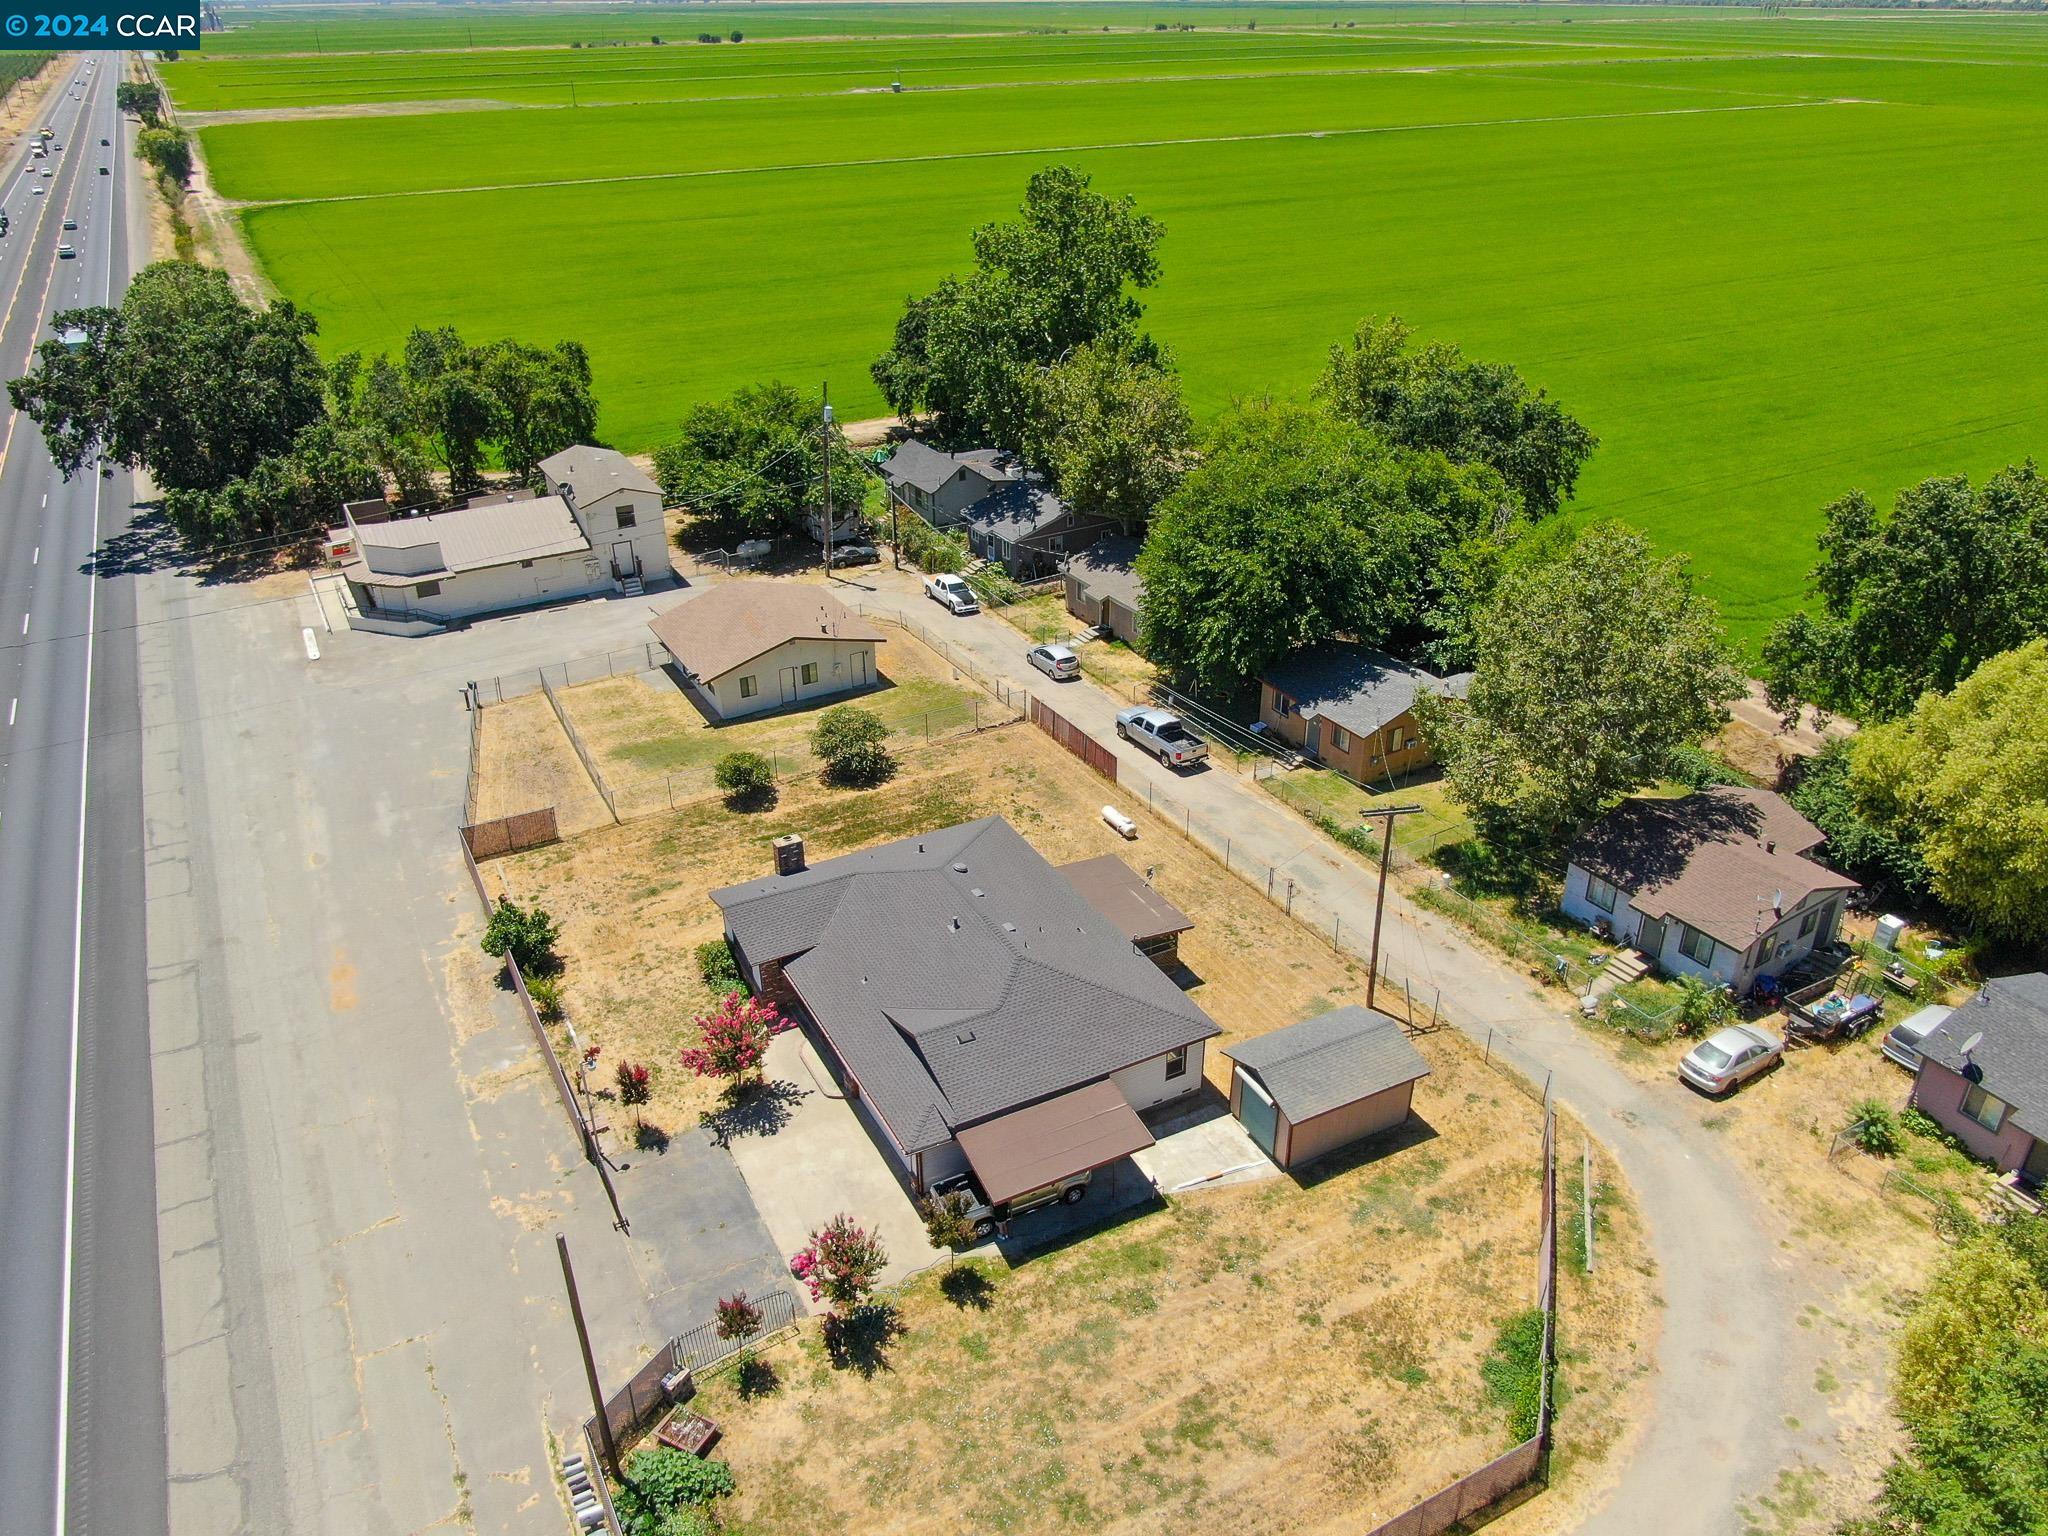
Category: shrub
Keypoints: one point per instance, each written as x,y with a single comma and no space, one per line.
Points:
662,1480
635,1082
721,972
546,992
850,741
739,1319
1513,1371
840,1264
738,36
1697,768
747,778
1876,1128
527,934
1701,1005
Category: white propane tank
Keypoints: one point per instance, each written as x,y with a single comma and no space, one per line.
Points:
1126,828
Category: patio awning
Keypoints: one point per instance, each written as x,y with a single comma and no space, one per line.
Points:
1074,1133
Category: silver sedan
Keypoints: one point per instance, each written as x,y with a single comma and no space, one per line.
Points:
1731,1058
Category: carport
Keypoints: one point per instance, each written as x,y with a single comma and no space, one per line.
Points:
1029,1148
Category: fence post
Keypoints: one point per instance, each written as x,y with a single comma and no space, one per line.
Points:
1408,990
1489,1047
1586,1194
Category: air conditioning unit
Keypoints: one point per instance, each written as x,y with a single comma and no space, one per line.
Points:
677,1386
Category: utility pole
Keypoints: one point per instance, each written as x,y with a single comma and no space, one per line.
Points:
1379,906
825,469
604,1423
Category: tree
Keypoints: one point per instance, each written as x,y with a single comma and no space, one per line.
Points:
850,742
1052,280
747,778
1591,668
1110,430
736,1320
1878,857
839,1266
1964,778
369,397
1296,527
1470,412
946,1222
734,1038
527,934
141,98
634,1081
1917,600
451,401
541,402
327,464
168,151
184,380
749,463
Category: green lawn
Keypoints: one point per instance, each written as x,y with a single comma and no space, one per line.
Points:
1762,280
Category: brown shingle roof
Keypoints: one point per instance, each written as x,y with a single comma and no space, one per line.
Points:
716,630
1120,894
1716,859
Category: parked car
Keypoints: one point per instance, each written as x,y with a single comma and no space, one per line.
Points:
855,554
65,253
952,593
1055,661
1903,1043
1067,1191
1161,733
1727,1060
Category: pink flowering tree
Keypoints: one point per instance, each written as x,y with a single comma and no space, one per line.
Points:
734,1038
840,1265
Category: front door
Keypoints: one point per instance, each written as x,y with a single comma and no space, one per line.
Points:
862,674
1650,937
1259,1114
789,676
2035,1169
1312,737
624,562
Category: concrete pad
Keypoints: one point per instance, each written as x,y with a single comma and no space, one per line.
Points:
812,1158
1203,1147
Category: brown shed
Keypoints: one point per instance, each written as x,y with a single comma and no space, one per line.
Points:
1313,1087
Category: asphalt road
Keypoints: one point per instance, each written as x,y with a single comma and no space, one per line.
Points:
81,1419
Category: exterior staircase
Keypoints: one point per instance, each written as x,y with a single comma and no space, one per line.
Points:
632,586
1623,966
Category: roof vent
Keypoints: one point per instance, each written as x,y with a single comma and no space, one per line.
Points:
965,1037
979,892
1770,845
959,867
1009,927
956,925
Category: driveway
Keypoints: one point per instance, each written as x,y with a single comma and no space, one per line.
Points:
1731,1367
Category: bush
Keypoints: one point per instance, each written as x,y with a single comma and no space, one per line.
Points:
1701,1005
721,972
1876,1128
546,992
849,740
1697,768
666,1492
1513,1371
738,36
527,934
747,778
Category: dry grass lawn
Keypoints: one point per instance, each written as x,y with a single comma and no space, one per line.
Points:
1109,662
525,763
1307,1353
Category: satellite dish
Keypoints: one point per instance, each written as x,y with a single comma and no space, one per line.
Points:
1971,1071
1973,1042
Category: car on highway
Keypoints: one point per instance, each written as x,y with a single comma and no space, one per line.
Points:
40,189
1162,733
105,142
49,171
71,223
1055,661
65,253
1725,1061
951,593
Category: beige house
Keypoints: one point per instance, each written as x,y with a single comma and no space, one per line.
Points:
1352,709
618,506
1103,589
1307,1090
749,646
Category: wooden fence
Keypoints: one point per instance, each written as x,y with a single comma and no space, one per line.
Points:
510,834
1074,739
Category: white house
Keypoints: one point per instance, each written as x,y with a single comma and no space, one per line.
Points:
748,646
601,531
1713,884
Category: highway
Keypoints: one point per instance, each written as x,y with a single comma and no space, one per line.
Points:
82,1435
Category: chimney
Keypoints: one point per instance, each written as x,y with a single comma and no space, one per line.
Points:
789,854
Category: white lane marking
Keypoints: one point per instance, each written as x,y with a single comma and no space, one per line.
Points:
11,708
24,623
38,558
46,498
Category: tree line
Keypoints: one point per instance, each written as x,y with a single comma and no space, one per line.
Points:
229,409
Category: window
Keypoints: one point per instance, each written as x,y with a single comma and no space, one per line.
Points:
1806,923
1396,739
1283,706
1983,1108
1600,893
810,672
1766,947
427,589
749,686
627,517
1177,1063
1340,738
1694,945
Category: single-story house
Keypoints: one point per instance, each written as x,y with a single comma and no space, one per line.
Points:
1103,589
599,531
1009,514
1352,708
1984,1075
1715,884
979,1011
746,646
1146,918
1308,1089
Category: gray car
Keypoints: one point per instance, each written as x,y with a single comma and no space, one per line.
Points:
1055,661
1907,1038
1727,1060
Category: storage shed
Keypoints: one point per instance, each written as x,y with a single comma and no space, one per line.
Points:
1308,1089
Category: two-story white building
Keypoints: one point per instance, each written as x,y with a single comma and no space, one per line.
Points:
1715,884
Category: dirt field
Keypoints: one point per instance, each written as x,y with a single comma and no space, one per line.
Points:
526,763
1299,1344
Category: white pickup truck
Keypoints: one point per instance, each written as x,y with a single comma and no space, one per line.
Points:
952,593
1161,733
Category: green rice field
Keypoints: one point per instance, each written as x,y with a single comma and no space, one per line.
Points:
1765,258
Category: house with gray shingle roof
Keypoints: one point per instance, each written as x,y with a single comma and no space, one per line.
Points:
1984,1075
1352,708
956,979
1716,884
1008,512
1103,588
